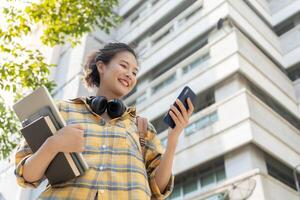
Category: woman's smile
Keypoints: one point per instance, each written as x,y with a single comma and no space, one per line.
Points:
124,82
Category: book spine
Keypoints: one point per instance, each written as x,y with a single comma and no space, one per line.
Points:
71,160
77,158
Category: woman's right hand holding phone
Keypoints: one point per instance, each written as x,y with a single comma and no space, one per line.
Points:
68,139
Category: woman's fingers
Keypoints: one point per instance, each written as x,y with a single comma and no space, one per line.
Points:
181,117
191,107
183,110
178,115
175,118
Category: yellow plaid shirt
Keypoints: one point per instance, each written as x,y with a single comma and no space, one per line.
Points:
117,169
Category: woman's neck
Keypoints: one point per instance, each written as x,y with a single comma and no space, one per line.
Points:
109,95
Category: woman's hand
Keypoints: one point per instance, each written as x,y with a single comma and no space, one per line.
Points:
181,119
68,139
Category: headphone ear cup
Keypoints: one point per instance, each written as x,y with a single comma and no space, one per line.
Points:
115,108
98,104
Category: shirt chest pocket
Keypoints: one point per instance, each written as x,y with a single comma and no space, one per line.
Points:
127,138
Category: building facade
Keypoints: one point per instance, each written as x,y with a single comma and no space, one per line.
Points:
241,59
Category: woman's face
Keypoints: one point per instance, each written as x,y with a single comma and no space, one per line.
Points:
119,76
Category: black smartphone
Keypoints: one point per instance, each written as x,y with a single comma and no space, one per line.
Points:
183,96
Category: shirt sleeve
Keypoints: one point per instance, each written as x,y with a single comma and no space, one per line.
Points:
153,155
22,154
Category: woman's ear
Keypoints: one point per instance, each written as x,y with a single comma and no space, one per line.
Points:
100,67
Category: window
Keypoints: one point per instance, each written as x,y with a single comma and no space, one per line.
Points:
163,35
176,192
198,178
168,81
189,16
220,174
294,72
190,185
280,171
277,107
283,28
198,62
192,13
201,123
141,98
208,179
134,19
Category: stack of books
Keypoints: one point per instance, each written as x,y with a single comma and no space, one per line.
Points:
40,121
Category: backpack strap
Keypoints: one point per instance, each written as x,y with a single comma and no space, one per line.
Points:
142,125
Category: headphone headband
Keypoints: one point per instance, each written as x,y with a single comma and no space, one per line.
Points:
115,107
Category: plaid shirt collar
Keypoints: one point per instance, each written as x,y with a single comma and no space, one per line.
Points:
131,110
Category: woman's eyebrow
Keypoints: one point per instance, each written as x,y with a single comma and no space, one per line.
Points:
137,69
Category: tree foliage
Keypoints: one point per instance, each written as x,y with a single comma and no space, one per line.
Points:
24,67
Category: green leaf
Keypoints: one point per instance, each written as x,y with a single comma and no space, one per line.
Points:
63,21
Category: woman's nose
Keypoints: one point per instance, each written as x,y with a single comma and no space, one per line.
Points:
128,75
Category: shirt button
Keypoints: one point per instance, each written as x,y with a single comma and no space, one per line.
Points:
104,146
101,191
101,168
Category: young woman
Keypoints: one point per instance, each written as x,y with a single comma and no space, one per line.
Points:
110,144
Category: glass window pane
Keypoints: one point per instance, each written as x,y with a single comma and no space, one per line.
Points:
175,193
221,174
165,83
141,98
170,80
207,179
196,63
199,61
213,117
190,186
190,129
203,122
205,57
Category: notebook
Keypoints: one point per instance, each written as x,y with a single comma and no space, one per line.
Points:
35,134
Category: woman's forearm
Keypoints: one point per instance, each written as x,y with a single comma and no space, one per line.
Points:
181,119
164,170
36,165
68,139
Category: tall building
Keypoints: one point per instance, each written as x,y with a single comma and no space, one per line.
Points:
241,59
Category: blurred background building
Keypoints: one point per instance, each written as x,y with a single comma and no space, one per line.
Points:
242,59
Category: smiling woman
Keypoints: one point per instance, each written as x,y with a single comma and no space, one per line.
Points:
104,129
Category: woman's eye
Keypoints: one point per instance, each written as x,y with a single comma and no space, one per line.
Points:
134,73
124,66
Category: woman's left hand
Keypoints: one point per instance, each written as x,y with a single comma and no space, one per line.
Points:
181,119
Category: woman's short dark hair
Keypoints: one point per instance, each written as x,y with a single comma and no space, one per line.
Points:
106,54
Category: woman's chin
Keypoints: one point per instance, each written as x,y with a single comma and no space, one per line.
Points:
123,91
